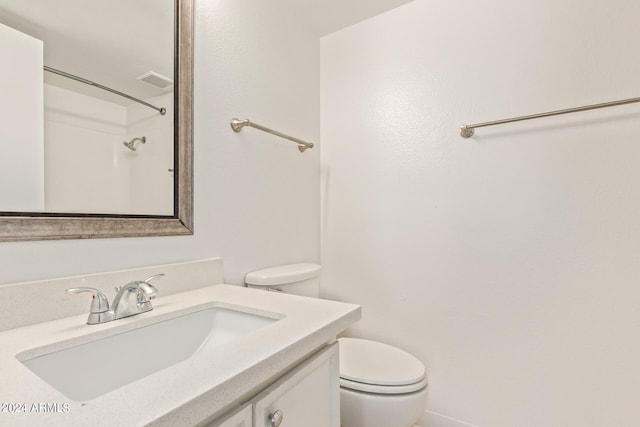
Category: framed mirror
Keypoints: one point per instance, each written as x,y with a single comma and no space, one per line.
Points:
74,221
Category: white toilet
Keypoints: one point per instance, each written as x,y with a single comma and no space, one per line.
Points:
380,385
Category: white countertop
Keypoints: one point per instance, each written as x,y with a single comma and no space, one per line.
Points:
186,393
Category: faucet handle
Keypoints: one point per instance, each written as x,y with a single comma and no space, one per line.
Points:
150,291
99,311
155,276
99,302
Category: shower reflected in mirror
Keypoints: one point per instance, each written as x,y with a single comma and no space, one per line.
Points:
131,144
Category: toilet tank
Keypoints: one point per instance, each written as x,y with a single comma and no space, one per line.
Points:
298,279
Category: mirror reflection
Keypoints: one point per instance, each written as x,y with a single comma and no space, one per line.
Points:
82,108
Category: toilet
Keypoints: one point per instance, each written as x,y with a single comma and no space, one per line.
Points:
380,385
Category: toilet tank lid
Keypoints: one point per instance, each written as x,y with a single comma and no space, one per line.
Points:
283,274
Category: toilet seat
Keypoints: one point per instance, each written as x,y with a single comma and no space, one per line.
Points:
375,367
383,389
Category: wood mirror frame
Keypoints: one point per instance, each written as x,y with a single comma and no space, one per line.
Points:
51,226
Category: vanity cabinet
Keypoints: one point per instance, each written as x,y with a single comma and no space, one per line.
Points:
308,395
242,417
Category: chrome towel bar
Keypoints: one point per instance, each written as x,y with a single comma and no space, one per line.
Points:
467,131
237,125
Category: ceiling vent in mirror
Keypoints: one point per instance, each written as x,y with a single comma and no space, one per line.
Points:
155,79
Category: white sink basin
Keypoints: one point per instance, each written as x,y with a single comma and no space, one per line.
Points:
88,370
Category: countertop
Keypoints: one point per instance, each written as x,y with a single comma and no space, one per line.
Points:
190,392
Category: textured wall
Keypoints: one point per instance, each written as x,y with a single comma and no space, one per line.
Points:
508,263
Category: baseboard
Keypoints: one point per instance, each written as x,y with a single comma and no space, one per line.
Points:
433,419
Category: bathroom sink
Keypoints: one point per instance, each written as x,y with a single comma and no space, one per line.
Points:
91,369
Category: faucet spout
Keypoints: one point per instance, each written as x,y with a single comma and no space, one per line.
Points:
131,299
144,292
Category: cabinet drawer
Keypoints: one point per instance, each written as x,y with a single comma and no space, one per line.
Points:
307,396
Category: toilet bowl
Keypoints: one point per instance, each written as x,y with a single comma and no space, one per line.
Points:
380,385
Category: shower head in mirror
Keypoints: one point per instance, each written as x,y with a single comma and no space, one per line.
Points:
131,144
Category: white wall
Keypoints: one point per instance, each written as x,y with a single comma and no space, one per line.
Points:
21,132
508,263
151,182
256,196
86,166
88,169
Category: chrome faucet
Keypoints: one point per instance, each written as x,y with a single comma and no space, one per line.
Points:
131,299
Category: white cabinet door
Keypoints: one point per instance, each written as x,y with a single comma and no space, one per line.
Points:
308,396
242,417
